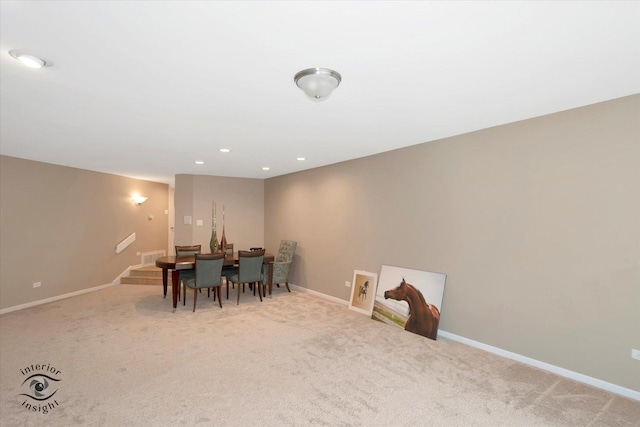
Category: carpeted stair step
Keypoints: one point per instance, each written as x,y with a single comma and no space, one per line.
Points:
151,271
143,276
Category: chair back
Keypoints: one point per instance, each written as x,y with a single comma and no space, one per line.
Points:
229,249
187,250
287,251
209,269
250,263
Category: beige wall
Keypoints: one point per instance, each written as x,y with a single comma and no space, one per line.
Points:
242,198
535,223
60,226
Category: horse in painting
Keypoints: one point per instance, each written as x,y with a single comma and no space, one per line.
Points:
423,317
362,292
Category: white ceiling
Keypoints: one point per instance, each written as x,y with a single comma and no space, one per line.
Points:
144,88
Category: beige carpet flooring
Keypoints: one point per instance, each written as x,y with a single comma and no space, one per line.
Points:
293,360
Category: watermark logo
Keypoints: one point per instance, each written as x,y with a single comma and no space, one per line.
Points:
40,384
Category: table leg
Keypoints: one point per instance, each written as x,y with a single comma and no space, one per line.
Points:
270,274
164,281
175,287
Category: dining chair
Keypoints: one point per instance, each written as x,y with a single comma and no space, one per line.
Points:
186,251
206,274
229,249
281,265
249,271
228,270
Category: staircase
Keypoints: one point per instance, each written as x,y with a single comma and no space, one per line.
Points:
143,276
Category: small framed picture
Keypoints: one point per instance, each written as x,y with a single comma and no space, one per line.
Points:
363,291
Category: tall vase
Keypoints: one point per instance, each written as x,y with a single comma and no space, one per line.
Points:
223,241
213,244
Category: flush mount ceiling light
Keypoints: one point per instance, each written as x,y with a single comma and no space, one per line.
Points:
29,59
317,83
224,150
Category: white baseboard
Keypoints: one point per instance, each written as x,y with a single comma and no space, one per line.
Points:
115,282
56,298
544,366
623,391
318,294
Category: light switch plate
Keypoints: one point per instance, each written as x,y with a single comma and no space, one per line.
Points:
187,220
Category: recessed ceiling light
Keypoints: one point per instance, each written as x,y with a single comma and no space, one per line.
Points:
199,162
301,159
29,59
224,150
265,168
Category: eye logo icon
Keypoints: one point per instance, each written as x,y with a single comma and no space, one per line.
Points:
40,387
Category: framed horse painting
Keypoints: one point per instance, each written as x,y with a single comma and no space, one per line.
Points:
363,291
411,299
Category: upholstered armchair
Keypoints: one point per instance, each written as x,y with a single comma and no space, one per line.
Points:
282,263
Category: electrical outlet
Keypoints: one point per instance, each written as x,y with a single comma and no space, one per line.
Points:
635,354
347,284
37,284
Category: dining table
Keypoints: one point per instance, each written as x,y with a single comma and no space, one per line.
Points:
176,264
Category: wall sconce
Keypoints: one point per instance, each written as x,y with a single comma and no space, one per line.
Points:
30,59
138,199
